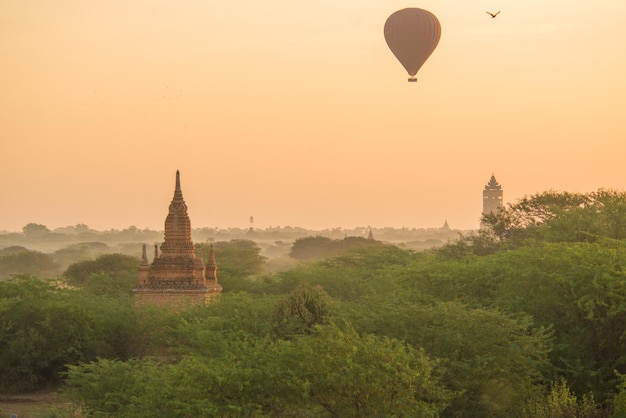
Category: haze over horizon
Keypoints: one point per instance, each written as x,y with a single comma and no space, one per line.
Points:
298,114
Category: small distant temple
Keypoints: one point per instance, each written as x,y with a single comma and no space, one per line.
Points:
177,276
492,196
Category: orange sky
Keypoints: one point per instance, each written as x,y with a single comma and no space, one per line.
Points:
296,112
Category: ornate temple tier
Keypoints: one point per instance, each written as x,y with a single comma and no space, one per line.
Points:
177,276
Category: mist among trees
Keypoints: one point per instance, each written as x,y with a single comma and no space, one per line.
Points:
525,317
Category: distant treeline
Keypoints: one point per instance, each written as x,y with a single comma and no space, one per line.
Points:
41,235
75,243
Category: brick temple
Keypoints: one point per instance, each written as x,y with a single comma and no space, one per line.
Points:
177,276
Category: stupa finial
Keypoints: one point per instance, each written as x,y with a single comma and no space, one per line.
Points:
178,193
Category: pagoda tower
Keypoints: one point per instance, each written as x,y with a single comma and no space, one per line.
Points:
492,196
178,276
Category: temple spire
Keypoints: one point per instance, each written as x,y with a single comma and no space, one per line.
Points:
211,266
178,193
177,274
177,226
144,256
144,268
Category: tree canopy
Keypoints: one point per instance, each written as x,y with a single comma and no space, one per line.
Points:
527,320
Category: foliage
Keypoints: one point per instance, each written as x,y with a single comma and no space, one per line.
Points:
493,360
107,274
33,229
102,284
319,247
475,243
549,216
330,373
341,367
73,254
310,248
210,330
27,262
619,400
526,320
348,276
562,216
560,402
44,327
577,289
40,332
305,307
237,260
13,249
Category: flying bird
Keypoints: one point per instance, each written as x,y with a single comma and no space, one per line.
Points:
493,14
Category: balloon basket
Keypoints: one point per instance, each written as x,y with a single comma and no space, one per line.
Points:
412,80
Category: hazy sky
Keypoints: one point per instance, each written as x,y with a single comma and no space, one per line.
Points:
296,112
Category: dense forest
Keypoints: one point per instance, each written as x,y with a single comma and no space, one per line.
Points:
525,317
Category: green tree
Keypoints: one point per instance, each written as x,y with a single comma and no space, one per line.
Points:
319,247
28,262
44,327
72,254
619,400
329,373
117,271
237,260
312,248
493,360
560,402
562,216
348,276
306,306
102,284
352,375
35,230
109,387
209,330
13,249
577,289
474,243
610,208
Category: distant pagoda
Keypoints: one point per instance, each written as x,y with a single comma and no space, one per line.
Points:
178,276
492,196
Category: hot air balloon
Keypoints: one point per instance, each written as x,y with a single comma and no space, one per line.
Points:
412,34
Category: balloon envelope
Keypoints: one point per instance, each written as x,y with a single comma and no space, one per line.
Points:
412,34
